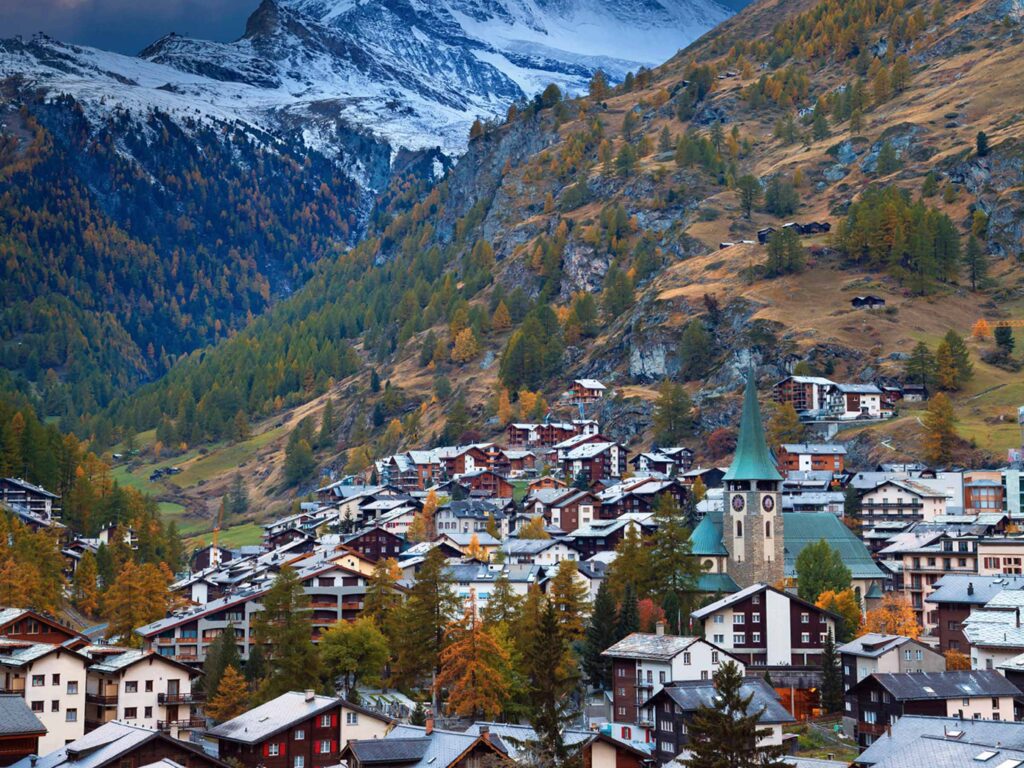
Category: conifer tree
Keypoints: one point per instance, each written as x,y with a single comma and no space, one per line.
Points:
981,144
673,413
222,653
85,592
976,263
599,637
920,366
750,191
138,596
727,735
820,567
831,677
503,605
430,604
327,424
631,566
629,614
960,356
474,669
695,351
231,698
282,630
784,425
940,432
569,597
382,595
550,681
887,161
675,569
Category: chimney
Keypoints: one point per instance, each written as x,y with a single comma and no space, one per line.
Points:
33,759
430,724
310,694
485,733
970,587
659,628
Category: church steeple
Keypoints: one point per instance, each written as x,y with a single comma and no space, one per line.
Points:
753,524
752,460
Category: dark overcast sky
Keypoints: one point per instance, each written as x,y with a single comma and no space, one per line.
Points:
126,26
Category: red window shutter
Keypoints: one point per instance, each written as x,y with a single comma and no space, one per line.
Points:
334,720
266,749
334,745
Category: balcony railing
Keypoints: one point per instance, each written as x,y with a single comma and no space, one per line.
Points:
106,701
191,722
13,687
181,698
165,641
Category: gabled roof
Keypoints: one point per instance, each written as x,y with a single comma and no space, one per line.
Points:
746,592
590,383
815,449
16,718
803,528
910,732
27,486
873,645
752,460
645,645
691,695
276,715
972,589
412,745
934,686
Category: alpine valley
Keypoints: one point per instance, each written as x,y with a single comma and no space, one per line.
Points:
377,219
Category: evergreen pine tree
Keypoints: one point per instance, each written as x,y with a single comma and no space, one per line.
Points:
976,263
920,366
727,735
282,629
629,614
981,144
831,677
600,635
550,681
222,653
675,569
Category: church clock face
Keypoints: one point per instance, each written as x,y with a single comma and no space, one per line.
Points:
737,502
767,503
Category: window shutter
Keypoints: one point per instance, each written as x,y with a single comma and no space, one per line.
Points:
266,749
334,720
334,745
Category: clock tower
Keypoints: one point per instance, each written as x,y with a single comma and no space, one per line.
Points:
752,522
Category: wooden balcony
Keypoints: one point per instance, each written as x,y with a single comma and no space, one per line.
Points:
103,701
191,722
181,698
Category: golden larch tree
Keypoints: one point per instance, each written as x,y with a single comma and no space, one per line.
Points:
231,698
474,668
895,616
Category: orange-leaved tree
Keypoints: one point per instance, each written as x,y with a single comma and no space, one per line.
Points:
895,616
474,668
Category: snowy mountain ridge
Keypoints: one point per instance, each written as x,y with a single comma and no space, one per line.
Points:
411,73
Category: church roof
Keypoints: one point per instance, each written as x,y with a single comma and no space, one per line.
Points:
752,460
798,530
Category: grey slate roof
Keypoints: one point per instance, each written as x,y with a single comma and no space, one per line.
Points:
277,714
693,694
920,686
396,750
442,747
643,645
915,729
514,737
16,718
873,645
954,588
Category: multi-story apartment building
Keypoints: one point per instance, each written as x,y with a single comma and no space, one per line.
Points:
141,688
676,704
874,653
904,500
883,698
811,457
1001,555
956,595
642,664
595,462
983,493
807,394
926,560
40,503
52,680
763,626
336,592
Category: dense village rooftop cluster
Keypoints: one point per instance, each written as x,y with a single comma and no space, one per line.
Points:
558,492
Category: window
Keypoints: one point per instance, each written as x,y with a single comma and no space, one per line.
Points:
70,715
870,717
739,638
622,691
919,655
874,696
738,618
719,638
149,686
906,654
714,657
300,762
667,746
967,702
661,678
805,618
352,718
273,750
846,669
686,657
38,706
54,679
325,721
805,637
131,713
621,671
299,734
755,638
755,600
622,711
55,705
703,674
650,676
131,686
739,529
147,712
756,618
666,726
822,636
718,619
995,702
72,687
38,681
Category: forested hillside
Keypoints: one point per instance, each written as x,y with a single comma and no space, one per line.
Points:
582,237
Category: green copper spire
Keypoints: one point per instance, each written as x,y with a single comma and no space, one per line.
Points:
752,461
